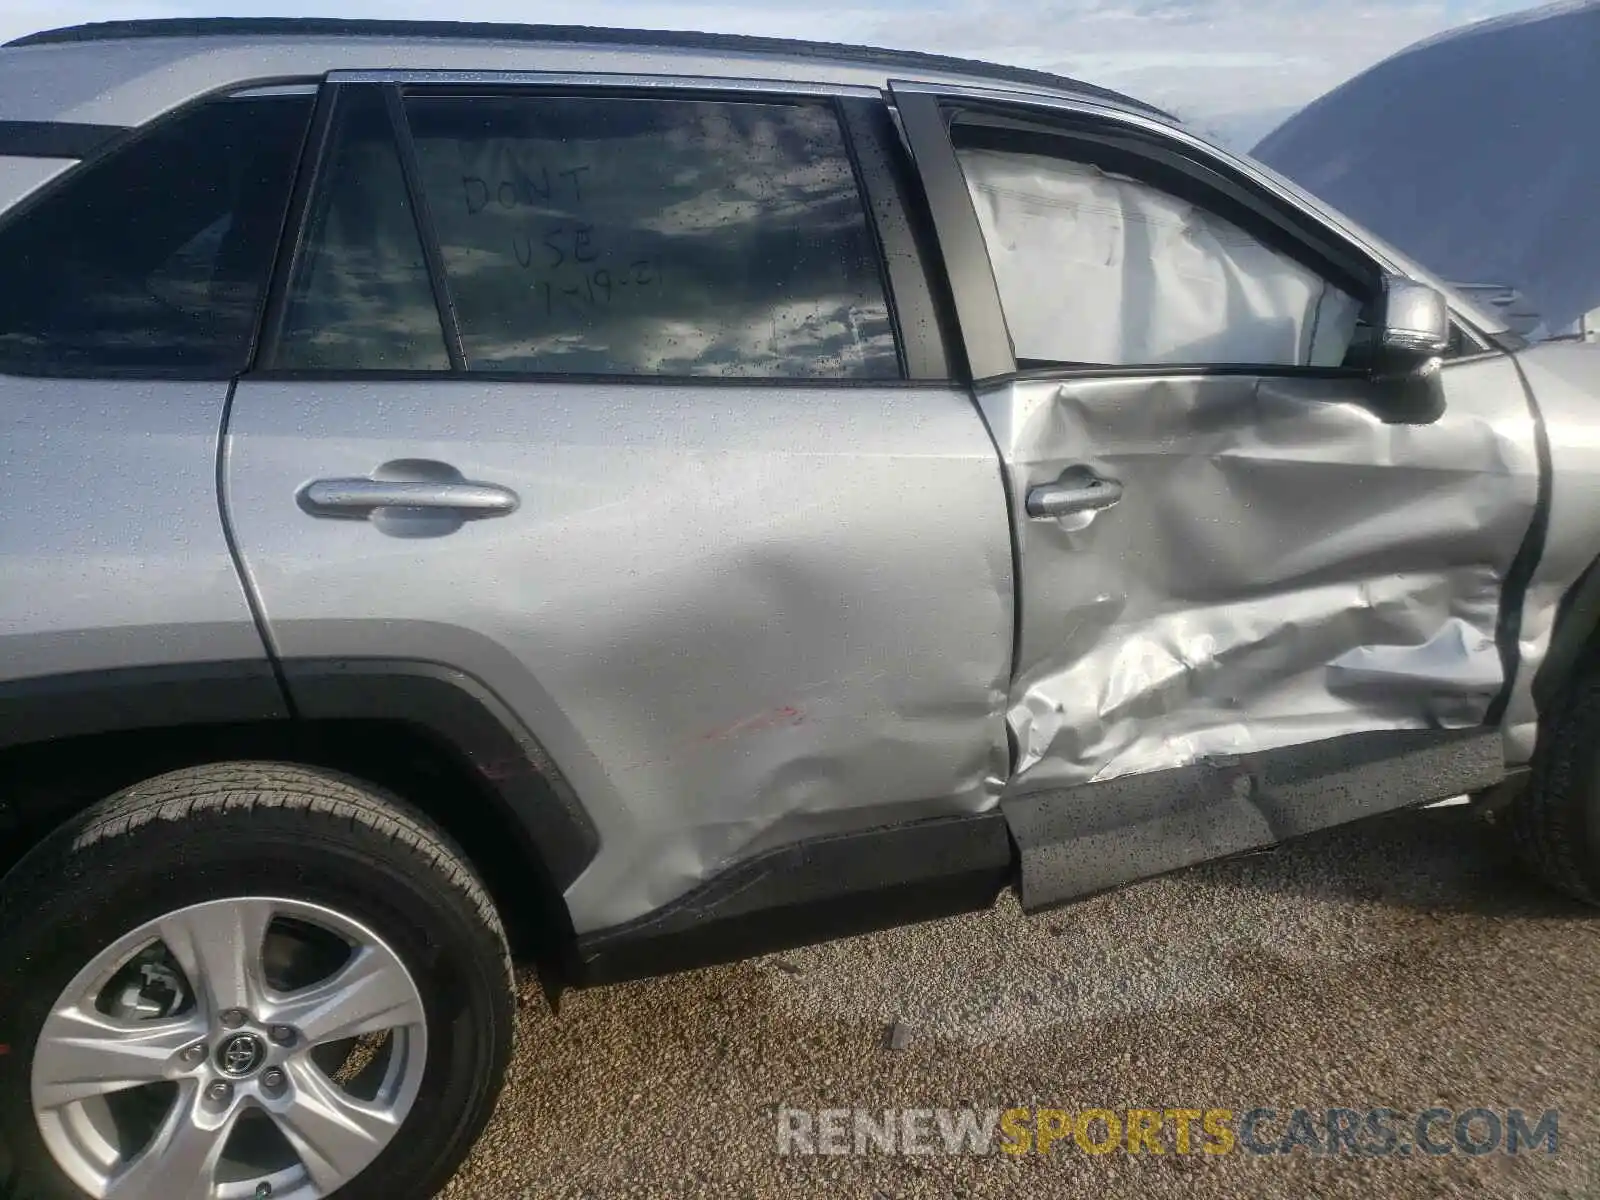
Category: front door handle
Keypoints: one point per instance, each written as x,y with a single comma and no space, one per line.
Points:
359,496
1079,490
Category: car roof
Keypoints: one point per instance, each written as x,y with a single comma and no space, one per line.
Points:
687,52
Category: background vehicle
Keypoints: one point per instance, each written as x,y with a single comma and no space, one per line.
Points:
631,500
1509,203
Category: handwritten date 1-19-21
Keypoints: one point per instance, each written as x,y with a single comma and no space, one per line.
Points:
599,285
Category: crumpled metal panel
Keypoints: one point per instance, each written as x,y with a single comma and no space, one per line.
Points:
1283,567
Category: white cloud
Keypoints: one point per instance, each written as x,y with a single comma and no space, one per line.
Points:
1222,63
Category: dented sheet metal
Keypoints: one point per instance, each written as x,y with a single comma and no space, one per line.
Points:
1282,567
737,617
1565,377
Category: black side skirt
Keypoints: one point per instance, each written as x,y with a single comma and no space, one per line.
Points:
1076,841
1056,845
810,892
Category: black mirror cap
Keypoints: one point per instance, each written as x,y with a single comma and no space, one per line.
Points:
1412,394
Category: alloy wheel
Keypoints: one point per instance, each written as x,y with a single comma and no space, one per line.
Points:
241,1049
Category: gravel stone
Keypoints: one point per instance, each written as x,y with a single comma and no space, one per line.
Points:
1401,963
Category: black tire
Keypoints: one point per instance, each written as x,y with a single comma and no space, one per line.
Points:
234,829
1555,822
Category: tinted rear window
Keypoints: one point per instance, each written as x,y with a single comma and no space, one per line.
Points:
588,235
155,257
647,237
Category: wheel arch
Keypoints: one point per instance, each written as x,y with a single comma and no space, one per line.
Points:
432,735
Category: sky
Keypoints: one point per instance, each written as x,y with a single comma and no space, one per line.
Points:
1234,68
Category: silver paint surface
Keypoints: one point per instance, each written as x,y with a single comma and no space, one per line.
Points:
1565,380
735,616
130,82
112,551
738,617
1282,567
20,176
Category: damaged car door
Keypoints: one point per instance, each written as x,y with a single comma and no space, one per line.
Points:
1268,499
594,394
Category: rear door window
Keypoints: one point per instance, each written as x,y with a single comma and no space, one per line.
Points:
361,295
596,235
154,258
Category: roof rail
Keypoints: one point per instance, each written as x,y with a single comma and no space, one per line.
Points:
190,27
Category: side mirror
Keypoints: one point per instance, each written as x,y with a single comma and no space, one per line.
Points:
1413,334
1415,322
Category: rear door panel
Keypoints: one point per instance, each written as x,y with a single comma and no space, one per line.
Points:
736,617
737,614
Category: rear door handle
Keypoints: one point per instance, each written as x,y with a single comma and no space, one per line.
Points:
360,497
1079,490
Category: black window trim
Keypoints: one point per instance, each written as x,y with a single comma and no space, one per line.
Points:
268,374
875,234
57,139
927,112
1185,178
291,243
427,231
974,293
922,350
919,306
497,82
128,139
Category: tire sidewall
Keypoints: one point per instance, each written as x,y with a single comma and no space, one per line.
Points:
52,928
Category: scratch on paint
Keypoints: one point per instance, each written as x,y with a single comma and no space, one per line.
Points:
776,718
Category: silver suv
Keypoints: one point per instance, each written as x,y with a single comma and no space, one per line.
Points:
626,500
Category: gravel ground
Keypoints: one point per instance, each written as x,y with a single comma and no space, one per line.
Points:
1404,963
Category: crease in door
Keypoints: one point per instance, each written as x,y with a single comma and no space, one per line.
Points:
1262,582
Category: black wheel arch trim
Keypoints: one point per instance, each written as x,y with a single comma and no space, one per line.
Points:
463,711
453,706
82,703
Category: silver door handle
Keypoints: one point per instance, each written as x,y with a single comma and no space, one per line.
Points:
1078,490
357,497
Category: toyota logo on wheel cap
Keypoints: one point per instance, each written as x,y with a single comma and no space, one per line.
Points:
241,1054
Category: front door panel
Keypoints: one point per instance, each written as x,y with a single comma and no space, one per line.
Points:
1224,552
1281,567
